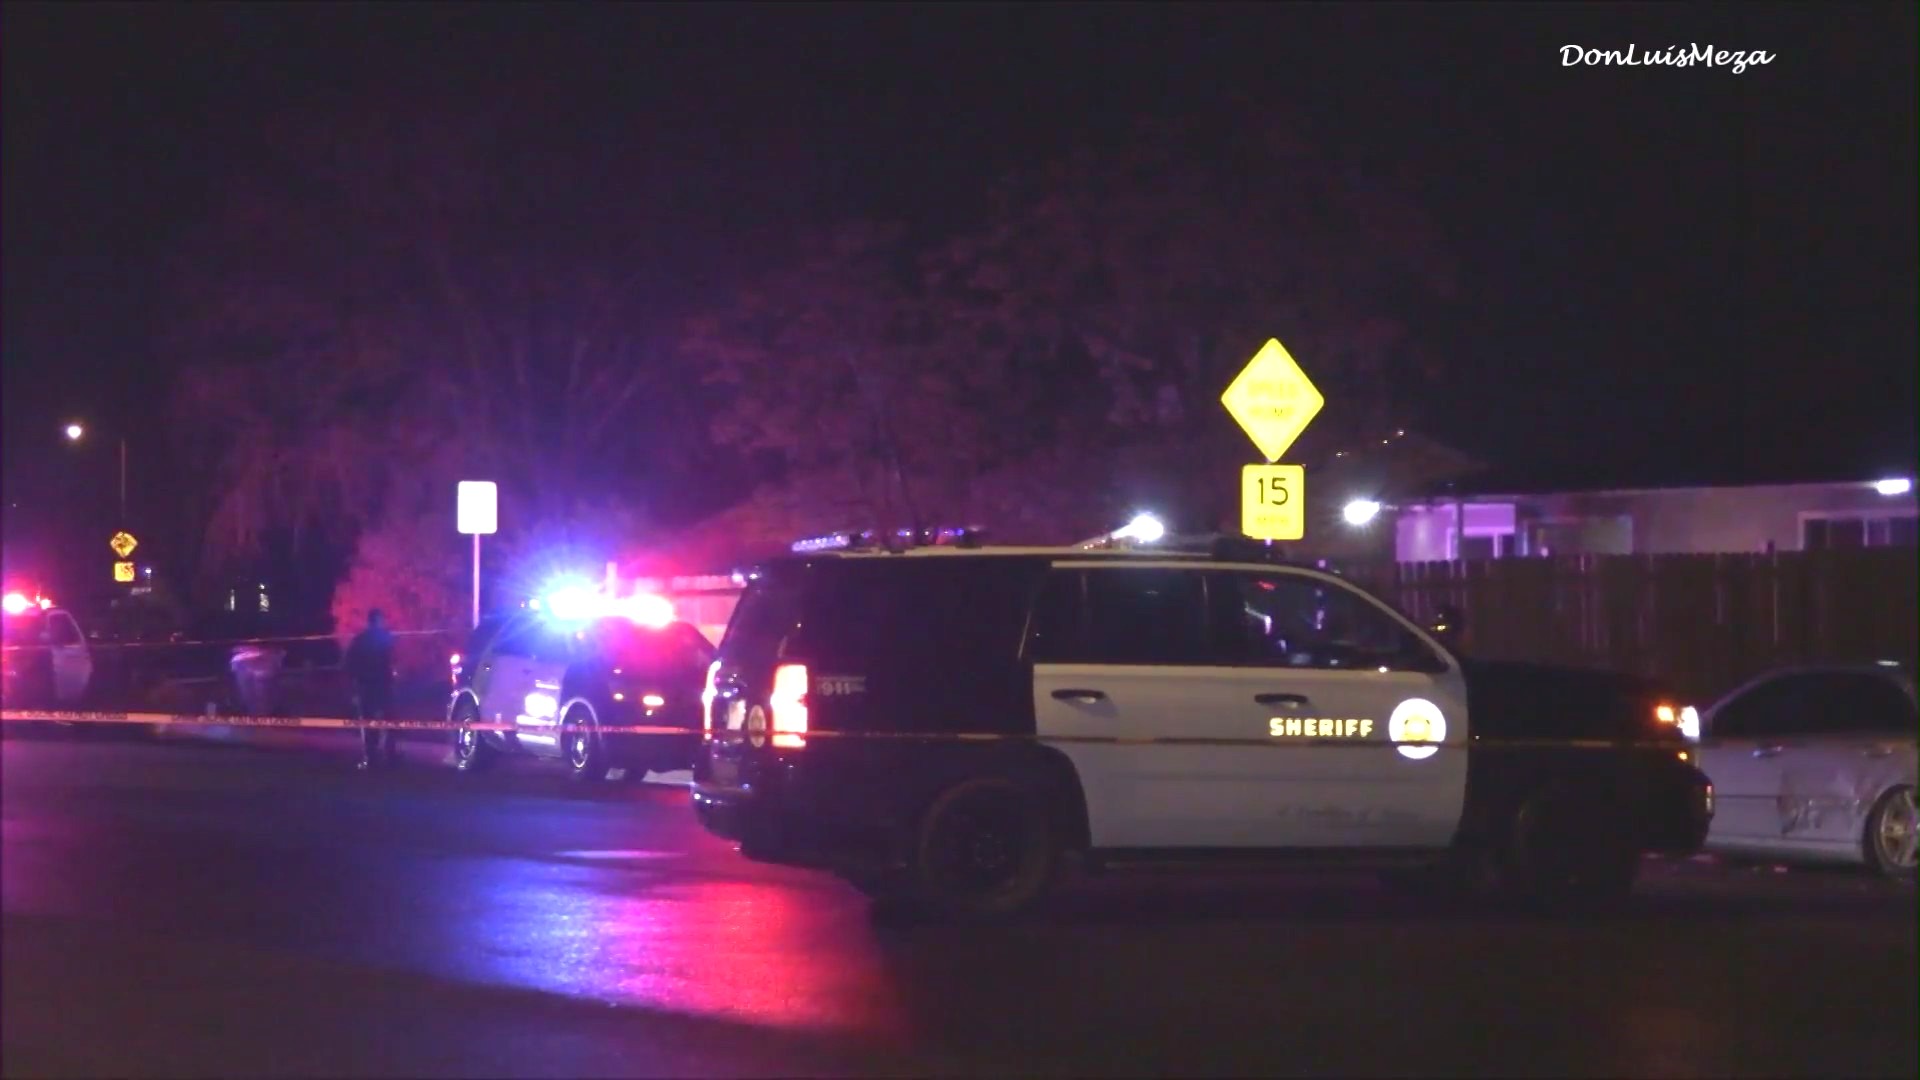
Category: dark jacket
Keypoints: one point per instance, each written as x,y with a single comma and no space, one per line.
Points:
369,665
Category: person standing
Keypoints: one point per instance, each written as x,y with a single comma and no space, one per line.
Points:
369,664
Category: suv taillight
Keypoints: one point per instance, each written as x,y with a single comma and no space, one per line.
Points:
788,706
707,695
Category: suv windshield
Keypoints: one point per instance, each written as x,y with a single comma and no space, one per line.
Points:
678,648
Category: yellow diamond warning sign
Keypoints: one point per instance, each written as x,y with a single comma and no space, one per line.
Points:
1272,400
123,544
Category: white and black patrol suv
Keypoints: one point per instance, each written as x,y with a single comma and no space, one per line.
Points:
952,725
559,683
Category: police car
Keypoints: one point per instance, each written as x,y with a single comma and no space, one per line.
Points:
562,671
952,724
44,659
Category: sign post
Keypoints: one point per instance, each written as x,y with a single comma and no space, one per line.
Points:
477,508
1273,401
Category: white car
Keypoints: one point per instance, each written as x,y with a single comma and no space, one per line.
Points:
1816,764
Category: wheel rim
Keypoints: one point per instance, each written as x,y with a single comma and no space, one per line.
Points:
1899,825
978,848
465,741
579,746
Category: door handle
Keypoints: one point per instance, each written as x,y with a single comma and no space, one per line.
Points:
1767,751
1877,751
1296,701
1081,697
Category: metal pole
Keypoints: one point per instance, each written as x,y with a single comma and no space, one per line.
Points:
476,580
123,481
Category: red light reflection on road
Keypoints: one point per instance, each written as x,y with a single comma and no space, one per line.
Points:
786,957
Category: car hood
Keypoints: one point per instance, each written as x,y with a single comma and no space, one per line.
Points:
1510,699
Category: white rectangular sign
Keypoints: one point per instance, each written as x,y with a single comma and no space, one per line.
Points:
478,504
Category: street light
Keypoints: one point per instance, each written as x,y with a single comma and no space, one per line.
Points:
1360,511
76,431
1144,527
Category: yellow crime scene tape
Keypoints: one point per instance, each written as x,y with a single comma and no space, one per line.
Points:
340,723
336,723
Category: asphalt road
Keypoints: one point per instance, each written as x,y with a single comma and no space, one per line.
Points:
198,910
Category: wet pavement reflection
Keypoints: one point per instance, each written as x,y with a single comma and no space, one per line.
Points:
525,925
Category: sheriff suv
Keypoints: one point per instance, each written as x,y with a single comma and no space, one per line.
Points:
558,683
951,725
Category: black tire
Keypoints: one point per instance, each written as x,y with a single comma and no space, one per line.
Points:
1566,855
1888,837
471,751
583,748
984,849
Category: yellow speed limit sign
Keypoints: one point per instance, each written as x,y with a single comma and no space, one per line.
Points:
1273,501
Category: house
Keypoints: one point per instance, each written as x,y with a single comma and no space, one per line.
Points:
1657,521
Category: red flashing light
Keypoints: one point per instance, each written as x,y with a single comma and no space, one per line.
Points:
788,706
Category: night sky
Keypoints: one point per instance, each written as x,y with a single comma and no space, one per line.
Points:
1669,274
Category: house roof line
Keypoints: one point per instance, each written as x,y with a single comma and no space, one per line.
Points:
1678,490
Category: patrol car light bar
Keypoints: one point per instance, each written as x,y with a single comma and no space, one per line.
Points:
897,539
17,603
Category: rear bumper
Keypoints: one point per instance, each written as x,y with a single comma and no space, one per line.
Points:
792,813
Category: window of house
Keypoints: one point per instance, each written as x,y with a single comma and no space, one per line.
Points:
1835,533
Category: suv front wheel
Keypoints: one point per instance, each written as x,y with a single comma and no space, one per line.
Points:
582,747
985,848
471,752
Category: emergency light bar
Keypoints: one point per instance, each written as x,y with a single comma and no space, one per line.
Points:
898,539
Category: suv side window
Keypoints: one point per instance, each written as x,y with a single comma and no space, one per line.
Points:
62,630
1146,615
1290,620
1054,630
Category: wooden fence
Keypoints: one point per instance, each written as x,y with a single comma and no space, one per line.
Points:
1703,623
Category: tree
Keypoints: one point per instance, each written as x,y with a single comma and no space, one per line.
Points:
1059,365
395,299
1145,275
824,375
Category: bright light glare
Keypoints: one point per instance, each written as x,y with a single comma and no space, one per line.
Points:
1690,723
1894,485
541,706
15,603
1144,527
1360,511
645,609
652,701
572,603
75,432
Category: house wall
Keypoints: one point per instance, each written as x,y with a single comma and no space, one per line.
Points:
1676,521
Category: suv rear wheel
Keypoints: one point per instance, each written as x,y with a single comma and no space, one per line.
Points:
986,848
1563,856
